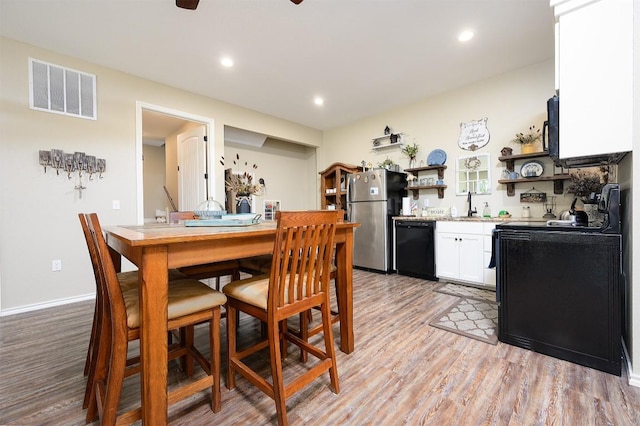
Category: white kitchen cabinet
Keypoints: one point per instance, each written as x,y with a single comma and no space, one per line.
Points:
594,75
460,251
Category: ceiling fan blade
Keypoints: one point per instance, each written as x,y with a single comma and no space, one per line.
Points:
188,4
296,1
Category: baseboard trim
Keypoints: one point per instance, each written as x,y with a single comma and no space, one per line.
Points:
45,305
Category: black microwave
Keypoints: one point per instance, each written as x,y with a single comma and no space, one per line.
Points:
551,142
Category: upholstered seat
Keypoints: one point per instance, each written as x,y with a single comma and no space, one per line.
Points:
261,265
185,296
190,302
296,283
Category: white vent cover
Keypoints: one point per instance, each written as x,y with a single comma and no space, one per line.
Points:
61,90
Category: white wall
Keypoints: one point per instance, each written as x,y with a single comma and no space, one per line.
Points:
45,206
289,172
512,102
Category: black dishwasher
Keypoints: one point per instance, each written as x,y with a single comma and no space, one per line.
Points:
415,249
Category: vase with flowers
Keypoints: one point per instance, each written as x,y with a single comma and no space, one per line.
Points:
411,151
242,184
527,140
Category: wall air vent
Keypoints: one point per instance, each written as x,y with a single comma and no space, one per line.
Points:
61,90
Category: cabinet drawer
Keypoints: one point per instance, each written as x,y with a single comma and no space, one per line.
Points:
460,227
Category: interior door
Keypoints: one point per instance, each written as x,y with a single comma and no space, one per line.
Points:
192,168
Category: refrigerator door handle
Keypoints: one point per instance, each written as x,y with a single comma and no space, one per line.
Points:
349,198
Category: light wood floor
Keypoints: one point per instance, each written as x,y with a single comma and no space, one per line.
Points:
403,372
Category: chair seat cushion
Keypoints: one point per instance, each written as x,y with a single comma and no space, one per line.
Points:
185,297
252,290
255,290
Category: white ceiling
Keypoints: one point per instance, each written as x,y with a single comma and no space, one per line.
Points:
362,56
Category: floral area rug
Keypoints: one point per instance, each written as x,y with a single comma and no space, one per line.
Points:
474,314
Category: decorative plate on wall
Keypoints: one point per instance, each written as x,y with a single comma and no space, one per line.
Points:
437,157
532,169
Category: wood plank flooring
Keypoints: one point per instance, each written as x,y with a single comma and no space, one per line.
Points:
403,372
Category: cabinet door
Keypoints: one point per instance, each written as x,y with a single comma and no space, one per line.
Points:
471,258
595,67
447,263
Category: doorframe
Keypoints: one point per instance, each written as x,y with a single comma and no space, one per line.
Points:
209,126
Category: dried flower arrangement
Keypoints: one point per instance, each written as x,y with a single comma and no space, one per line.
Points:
532,136
242,182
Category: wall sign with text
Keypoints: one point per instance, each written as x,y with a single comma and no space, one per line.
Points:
474,134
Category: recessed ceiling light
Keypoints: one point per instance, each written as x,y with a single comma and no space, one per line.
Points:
318,101
465,35
226,62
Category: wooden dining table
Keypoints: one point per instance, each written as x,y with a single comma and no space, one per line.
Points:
155,248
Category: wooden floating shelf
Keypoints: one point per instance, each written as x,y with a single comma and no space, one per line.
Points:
558,183
416,190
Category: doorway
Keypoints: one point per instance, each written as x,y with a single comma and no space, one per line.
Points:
173,120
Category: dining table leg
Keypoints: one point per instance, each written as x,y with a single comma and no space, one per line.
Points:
153,274
344,263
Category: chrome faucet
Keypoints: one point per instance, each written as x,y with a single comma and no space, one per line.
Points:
470,212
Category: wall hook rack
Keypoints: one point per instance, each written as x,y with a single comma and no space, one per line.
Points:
71,163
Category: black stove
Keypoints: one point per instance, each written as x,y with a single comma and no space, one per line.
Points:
608,207
542,226
559,287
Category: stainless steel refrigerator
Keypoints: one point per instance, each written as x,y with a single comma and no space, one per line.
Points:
373,198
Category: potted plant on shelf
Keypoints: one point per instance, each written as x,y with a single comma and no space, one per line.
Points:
411,151
527,140
388,164
242,184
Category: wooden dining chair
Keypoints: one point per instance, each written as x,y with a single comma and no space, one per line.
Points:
297,282
215,270
258,265
190,302
128,280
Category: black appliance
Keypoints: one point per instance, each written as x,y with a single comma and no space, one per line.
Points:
415,249
559,288
551,128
